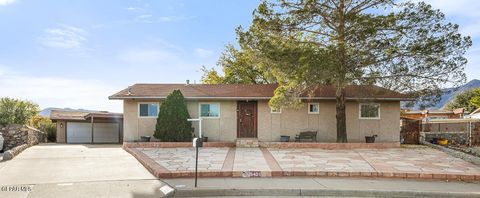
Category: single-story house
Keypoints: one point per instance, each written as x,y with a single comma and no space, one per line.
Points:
232,111
88,126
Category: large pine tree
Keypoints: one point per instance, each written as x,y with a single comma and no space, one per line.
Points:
172,124
300,44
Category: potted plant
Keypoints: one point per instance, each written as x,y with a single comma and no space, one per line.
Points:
284,138
370,139
145,138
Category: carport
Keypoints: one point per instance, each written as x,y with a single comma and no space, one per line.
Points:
88,126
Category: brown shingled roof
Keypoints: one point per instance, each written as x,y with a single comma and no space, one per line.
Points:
248,91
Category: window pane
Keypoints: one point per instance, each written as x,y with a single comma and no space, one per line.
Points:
369,111
209,110
204,109
143,110
314,108
152,110
214,110
275,110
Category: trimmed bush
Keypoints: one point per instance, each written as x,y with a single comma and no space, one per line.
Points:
172,124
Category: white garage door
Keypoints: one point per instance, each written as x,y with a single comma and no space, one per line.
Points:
79,132
105,133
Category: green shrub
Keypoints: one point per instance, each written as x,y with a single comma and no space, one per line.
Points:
14,111
172,124
45,125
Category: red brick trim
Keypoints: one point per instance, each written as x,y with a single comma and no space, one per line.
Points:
152,166
227,167
174,144
330,146
272,163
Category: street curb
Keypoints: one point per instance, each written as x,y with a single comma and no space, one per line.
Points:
317,192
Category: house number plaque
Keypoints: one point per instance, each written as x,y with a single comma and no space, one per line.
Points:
251,174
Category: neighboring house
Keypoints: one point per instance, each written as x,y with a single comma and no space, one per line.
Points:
232,111
433,114
88,126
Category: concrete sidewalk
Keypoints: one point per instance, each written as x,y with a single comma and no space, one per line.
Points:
108,189
314,186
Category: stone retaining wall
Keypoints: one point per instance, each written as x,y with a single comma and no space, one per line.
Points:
459,137
15,135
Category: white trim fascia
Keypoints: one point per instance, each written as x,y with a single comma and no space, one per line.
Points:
368,118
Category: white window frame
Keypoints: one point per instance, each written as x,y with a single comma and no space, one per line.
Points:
148,103
313,103
209,103
368,118
275,112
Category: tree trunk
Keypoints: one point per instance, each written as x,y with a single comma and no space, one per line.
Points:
340,85
341,115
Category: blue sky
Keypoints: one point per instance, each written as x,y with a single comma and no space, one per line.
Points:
76,53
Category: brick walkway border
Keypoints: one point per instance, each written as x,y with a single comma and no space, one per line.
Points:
276,171
328,146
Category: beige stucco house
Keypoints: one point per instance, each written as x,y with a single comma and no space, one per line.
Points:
242,111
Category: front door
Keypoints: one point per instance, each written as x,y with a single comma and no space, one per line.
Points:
247,119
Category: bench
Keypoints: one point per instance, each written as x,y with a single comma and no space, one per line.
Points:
306,136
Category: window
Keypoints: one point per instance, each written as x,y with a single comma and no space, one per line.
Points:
273,110
313,108
147,110
370,111
209,110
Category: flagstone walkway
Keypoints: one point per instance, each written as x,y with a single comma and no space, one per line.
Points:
418,162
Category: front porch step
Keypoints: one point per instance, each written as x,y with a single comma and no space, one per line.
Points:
247,143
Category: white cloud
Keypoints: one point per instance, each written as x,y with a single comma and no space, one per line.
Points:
203,53
3,70
65,37
468,8
135,9
6,2
60,92
148,18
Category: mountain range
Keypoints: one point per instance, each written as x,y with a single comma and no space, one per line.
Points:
450,93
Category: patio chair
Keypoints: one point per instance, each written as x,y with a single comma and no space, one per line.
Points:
306,136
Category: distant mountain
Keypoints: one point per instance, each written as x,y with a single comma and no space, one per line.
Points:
450,93
46,112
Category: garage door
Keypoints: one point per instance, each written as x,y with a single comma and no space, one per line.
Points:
79,132
105,133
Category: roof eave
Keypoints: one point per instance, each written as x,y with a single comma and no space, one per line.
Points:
255,98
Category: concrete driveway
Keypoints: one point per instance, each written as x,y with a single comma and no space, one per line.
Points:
64,168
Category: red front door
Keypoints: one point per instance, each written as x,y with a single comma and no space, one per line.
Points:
247,119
